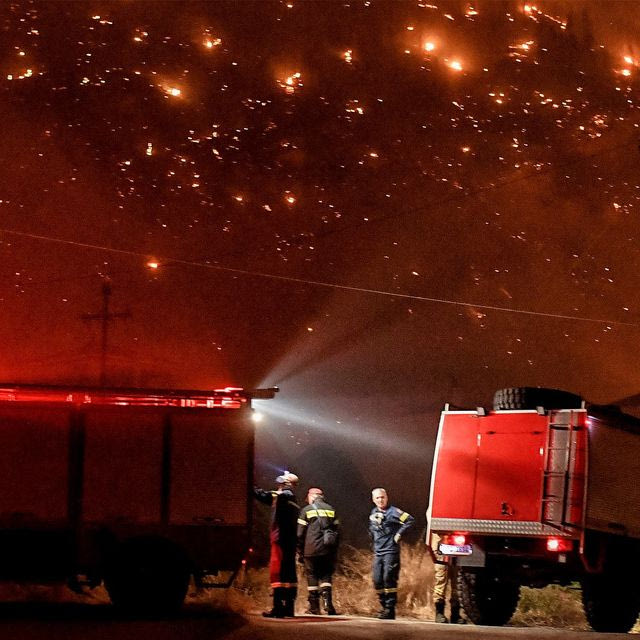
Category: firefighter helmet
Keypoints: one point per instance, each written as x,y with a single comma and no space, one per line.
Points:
287,478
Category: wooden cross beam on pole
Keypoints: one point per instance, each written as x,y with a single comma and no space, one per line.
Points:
105,317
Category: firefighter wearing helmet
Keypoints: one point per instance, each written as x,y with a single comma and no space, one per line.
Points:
282,563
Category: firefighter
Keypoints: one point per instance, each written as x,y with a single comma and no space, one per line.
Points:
317,549
387,524
282,562
445,571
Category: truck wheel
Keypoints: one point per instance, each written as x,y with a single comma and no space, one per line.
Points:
533,397
612,605
147,576
486,598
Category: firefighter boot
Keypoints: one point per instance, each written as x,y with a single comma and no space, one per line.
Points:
289,598
456,618
383,604
327,602
278,609
388,614
440,612
314,603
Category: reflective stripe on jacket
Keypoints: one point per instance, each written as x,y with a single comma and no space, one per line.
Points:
313,521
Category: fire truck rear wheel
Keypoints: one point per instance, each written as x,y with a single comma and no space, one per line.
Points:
147,576
534,397
487,598
611,604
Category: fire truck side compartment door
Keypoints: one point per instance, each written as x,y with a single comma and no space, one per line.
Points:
123,464
210,455
34,464
614,469
35,528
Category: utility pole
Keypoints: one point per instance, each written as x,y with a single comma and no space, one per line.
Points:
105,316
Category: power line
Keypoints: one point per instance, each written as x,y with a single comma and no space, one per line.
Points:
319,283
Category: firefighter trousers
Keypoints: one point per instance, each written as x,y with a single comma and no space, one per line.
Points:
445,574
319,571
386,569
282,567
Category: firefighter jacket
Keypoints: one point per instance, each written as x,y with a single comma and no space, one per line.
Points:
384,525
317,530
284,515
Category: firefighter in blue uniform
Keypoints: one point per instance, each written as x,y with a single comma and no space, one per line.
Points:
387,524
318,549
283,537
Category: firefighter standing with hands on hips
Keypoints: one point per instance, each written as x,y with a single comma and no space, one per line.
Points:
317,549
387,524
282,562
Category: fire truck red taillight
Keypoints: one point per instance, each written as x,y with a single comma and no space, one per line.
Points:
457,539
559,545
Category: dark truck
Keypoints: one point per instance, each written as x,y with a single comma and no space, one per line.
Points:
139,488
543,489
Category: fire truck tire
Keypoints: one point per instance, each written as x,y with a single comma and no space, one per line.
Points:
486,598
611,605
147,576
533,397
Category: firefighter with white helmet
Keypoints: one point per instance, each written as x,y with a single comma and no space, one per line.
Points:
283,537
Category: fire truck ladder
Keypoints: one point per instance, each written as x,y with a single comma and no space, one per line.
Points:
561,477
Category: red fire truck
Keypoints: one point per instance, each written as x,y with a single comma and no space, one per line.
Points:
542,489
138,488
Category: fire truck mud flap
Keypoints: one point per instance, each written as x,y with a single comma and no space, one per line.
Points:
477,557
